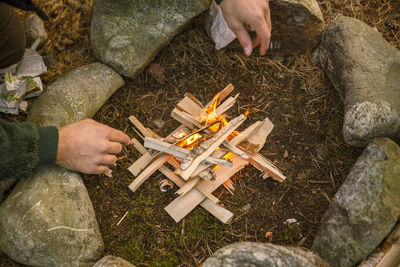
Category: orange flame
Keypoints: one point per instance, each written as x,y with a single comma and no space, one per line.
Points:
190,140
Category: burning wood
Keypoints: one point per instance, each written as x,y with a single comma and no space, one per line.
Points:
204,153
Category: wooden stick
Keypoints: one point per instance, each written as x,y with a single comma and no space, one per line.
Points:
185,137
140,164
224,93
188,186
177,151
179,182
243,135
139,147
227,104
186,119
257,139
182,205
209,203
139,126
146,173
211,144
265,165
194,99
190,106
123,217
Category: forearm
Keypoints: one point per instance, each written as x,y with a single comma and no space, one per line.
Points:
23,147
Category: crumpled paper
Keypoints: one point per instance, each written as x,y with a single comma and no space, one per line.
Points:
221,34
21,81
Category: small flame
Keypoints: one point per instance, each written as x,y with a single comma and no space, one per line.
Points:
193,138
228,156
190,140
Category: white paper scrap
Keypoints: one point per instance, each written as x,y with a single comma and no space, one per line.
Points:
221,34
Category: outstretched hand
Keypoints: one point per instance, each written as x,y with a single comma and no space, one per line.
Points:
240,14
89,147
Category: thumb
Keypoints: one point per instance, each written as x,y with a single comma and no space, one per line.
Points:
244,39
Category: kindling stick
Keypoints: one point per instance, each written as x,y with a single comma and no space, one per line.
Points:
186,137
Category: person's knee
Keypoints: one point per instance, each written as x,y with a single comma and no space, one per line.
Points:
12,36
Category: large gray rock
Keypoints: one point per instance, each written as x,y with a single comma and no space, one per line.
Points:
48,220
5,185
75,95
365,69
365,208
297,25
112,261
259,254
127,35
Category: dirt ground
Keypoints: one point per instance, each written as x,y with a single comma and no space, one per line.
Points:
306,142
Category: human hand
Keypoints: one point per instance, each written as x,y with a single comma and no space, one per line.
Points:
89,147
254,13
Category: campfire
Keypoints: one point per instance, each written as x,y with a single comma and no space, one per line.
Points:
202,154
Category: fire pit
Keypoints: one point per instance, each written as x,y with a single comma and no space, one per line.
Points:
202,154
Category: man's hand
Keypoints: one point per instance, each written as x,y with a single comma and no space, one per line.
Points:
89,147
254,13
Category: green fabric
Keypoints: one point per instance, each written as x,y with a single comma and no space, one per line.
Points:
21,147
48,145
218,1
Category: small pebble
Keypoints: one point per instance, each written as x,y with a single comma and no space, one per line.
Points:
246,207
158,123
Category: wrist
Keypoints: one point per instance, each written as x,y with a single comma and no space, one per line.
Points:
48,145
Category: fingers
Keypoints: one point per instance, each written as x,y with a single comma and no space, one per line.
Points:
109,147
263,34
243,37
100,169
107,159
118,136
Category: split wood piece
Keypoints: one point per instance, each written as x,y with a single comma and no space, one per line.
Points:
209,202
179,152
188,186
265,166
227,104
256,141
139,126
198,103
191,122
224,93
179,182
140,164
189,105
139,147
388,252
143,161
243,135
174,178
182,205
185,118
210,145
149,133
146,173
235,141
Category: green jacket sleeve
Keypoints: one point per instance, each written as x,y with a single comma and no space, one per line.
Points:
23,147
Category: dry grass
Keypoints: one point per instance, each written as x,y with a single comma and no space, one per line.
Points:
295,95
